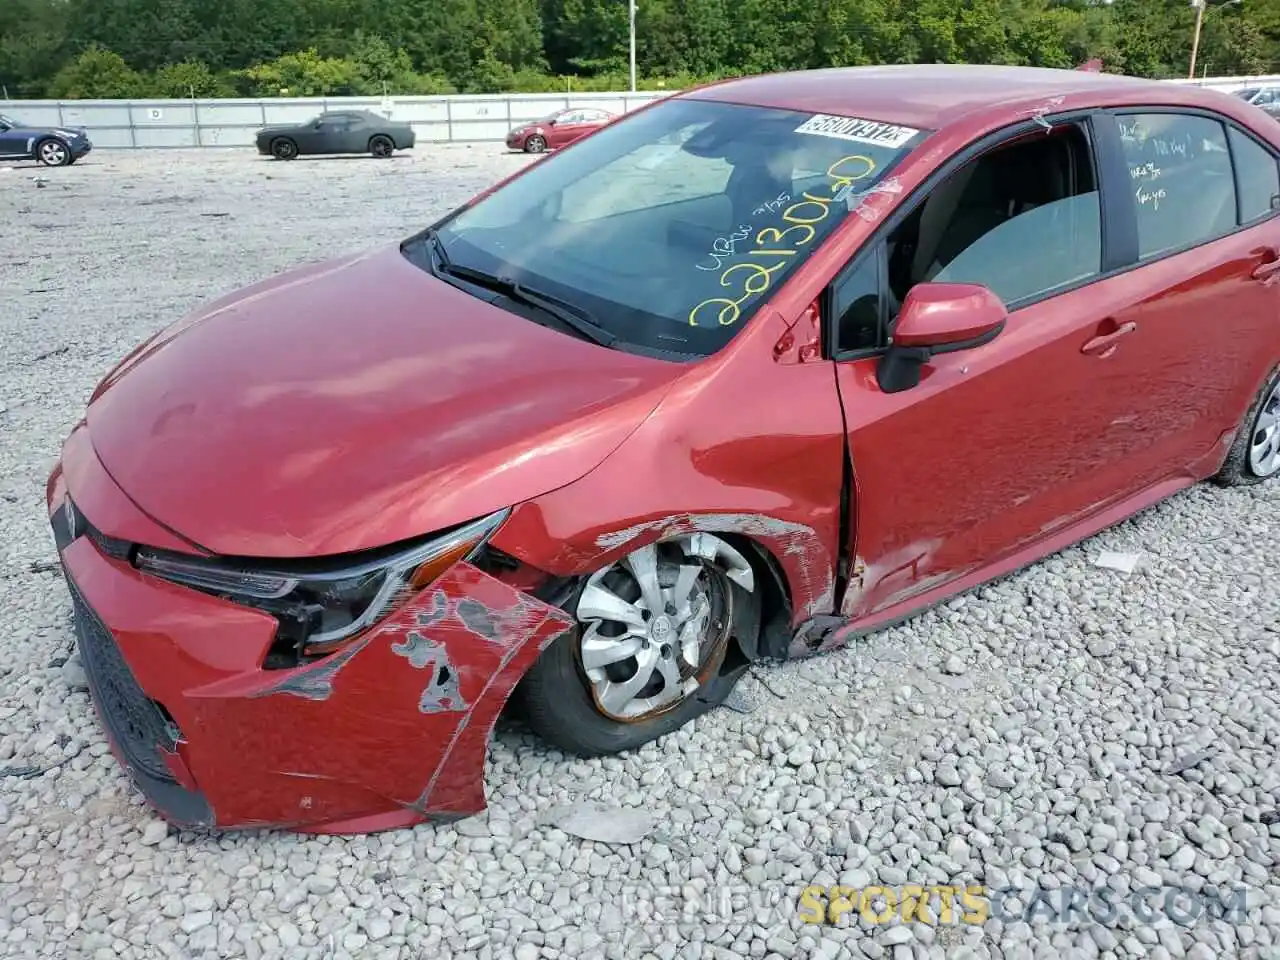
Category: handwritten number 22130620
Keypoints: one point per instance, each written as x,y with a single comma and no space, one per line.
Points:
776,246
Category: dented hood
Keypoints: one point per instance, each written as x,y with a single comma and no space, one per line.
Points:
355,403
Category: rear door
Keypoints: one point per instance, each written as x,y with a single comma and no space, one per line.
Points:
1203,302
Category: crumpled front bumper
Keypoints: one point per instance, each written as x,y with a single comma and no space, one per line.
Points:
390,731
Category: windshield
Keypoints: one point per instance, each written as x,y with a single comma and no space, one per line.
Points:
9,121
670,227
1247,94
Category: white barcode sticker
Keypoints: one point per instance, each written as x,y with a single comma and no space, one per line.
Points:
861,131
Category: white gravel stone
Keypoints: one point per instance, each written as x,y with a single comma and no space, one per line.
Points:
1021,734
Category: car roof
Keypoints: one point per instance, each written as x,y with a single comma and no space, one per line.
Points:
931,96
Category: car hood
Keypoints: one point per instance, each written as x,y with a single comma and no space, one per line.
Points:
355,403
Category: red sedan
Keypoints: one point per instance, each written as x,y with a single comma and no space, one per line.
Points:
756,369
557,130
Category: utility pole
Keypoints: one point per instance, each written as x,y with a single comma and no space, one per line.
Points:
1200,6
631,12
1195,40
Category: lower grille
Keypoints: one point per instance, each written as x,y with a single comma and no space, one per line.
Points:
136,723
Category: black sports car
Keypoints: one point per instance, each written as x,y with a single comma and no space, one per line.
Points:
348,131
52,146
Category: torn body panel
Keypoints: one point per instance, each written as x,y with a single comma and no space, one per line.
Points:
389,731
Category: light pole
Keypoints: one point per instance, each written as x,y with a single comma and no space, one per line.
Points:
631,15
1195,40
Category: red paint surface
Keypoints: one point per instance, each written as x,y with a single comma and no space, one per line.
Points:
262,754
556,135
357,403
939,314
441,409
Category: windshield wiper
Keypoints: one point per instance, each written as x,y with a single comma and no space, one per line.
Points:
437,246
573,317
570,315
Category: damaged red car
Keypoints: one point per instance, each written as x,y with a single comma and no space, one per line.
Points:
756,369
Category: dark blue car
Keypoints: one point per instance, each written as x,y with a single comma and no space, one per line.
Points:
52,146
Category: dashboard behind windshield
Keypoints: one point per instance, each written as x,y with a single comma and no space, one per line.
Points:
671,227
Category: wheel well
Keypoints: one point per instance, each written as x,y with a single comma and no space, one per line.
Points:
775,593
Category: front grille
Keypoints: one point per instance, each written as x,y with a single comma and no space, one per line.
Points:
135,722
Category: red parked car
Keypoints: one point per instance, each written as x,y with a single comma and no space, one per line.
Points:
756,369
556,130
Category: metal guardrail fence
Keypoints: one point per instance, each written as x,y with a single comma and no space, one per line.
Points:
441,119
232,123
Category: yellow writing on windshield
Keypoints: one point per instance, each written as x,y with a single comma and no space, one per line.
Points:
775,246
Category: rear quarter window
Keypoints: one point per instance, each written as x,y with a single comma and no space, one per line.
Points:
1257,176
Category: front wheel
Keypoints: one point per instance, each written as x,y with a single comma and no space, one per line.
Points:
655,630
381,146
535,144
282,148
53,153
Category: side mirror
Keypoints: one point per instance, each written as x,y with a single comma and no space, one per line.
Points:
938,318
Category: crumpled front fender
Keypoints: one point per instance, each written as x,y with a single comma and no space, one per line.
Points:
391,731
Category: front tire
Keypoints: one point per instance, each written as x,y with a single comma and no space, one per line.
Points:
535,144
656,630
282,148
381,146
1255,455
53,153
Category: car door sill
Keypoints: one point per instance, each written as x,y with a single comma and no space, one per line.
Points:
821,634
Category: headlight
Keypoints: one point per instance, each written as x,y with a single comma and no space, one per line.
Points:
320,606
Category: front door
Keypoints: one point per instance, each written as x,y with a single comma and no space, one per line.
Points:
1002,445
317,136
566,129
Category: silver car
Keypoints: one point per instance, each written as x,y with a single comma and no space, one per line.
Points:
1268,98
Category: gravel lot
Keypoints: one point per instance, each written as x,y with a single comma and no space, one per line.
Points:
1024,735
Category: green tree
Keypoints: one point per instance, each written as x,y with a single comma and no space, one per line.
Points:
32,43
366,46
304,74
97,74
380,68
190,78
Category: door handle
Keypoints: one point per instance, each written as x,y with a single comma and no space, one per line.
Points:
1268,268
1103,344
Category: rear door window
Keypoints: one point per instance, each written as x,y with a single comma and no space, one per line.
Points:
1180,179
